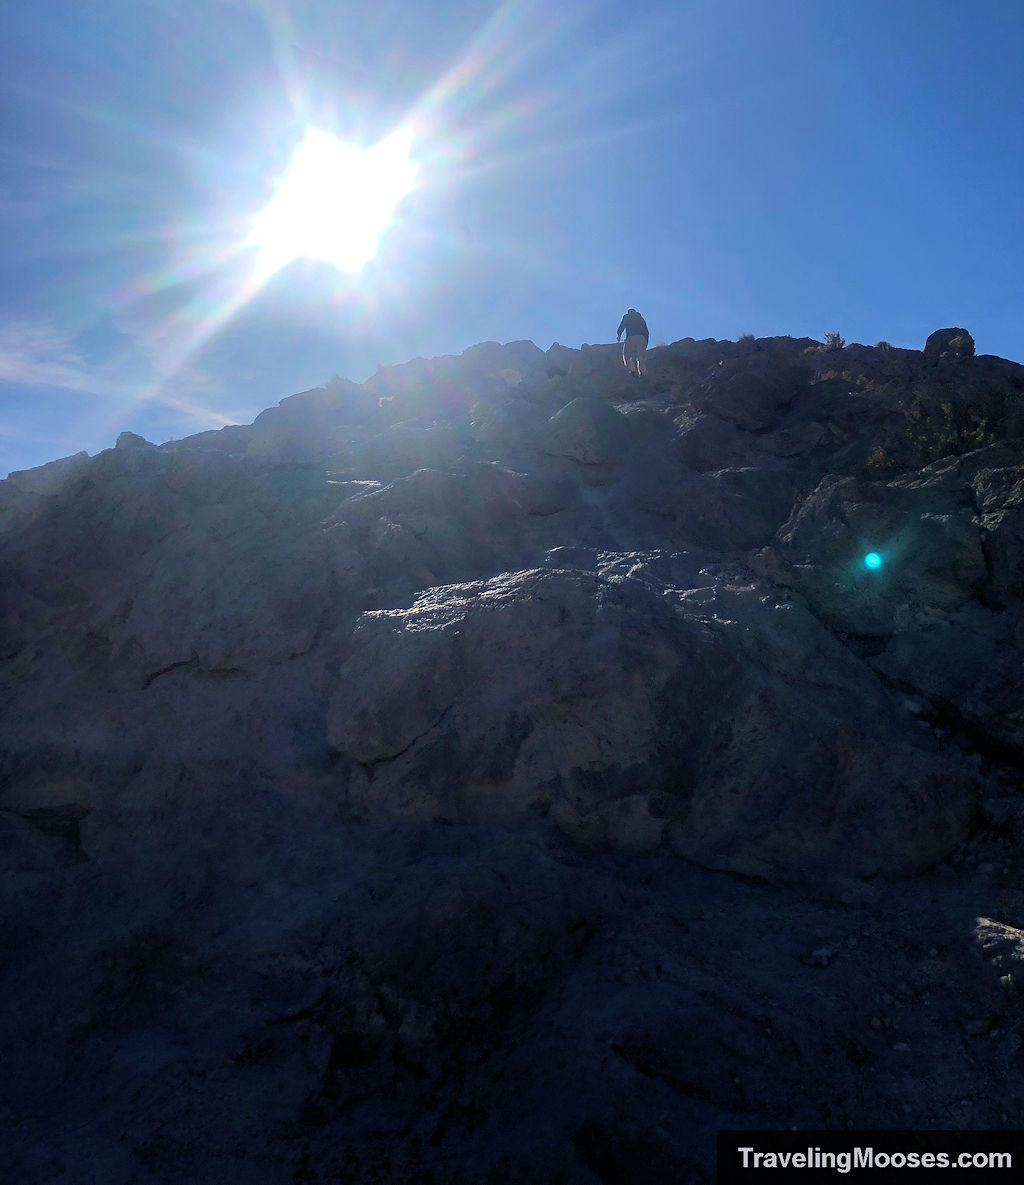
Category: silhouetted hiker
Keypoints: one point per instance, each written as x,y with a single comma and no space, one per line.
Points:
635,345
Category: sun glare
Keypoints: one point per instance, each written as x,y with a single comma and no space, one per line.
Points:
334,202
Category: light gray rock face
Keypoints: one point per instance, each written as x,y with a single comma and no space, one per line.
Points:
440,777
46,479
27,493
615,698
587,431
312,426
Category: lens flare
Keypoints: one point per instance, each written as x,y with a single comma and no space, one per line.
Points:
872,560
334,202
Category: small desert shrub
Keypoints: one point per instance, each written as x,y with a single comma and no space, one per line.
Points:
952,429
859,380
834,340
877,458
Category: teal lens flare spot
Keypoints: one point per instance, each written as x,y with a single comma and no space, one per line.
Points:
872,560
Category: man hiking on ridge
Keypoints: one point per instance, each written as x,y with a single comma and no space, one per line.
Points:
635,346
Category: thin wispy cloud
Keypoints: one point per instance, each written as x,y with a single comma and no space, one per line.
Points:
15,207
41,356
38,355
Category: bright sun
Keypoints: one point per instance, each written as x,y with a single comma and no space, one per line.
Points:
334,202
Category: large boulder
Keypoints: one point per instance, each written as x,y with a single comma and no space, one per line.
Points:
949,343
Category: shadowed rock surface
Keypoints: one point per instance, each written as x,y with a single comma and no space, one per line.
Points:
509,770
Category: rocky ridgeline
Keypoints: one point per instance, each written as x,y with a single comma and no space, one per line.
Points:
508,769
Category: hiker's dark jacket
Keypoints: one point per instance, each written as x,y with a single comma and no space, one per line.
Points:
633,323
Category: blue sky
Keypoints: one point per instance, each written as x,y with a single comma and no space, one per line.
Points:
727,167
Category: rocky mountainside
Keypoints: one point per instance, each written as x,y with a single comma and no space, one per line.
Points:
510,770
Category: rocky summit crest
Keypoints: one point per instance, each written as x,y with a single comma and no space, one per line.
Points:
453,773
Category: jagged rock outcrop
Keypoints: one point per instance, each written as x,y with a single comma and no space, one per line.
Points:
943,607
442,778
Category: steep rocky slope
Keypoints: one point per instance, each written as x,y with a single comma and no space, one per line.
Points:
509,770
